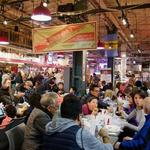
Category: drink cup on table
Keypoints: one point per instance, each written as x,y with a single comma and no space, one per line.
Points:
107,120
104,111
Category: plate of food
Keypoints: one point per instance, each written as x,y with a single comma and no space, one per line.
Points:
113,128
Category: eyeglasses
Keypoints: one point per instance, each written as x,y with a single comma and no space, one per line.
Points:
96,91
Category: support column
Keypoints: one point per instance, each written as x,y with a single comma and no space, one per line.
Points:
123,66
123,61
84,65
78,71
110,64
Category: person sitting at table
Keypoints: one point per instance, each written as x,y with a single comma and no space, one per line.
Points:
131,106
141,141
73,90
137,113
90,106
65,133
94,91
138,98
60,86
108,98
39,117
6,93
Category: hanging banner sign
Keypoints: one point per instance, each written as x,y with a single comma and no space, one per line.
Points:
70,37
111,45
111,42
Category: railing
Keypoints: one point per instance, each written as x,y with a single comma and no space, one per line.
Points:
18,38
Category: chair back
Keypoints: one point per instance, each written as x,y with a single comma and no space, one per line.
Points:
16,137
14,123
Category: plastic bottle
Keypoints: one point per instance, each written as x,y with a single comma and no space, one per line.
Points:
96,131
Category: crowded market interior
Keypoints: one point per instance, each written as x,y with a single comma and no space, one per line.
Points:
74,74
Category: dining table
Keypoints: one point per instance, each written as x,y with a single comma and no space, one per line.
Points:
110,121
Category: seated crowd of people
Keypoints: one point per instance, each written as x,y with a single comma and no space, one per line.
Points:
52,116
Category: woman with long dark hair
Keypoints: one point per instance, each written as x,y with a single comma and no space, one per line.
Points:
137,113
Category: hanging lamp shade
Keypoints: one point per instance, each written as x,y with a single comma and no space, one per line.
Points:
100,45
4,40
41,13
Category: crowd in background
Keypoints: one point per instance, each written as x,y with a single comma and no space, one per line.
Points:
36,100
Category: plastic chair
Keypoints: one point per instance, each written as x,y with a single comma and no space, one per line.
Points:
16,137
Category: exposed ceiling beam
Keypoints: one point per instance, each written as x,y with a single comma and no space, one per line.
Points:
94,3
117,24
15,21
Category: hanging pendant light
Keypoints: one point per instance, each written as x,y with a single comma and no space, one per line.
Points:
100,45
4,40
41,13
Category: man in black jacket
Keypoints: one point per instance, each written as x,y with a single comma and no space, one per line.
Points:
94,91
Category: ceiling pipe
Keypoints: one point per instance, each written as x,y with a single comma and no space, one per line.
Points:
132,7
15,21
17,14
120,8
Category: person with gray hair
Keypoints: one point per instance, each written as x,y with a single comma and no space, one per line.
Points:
38,119
6,96
48,102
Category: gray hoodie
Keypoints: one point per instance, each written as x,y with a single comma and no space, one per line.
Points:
89,141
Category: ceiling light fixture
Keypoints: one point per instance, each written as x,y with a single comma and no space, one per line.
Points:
132,35
124,21
44,4
123,54
41,13
4,40
110,47
134,62
139,50
5,22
